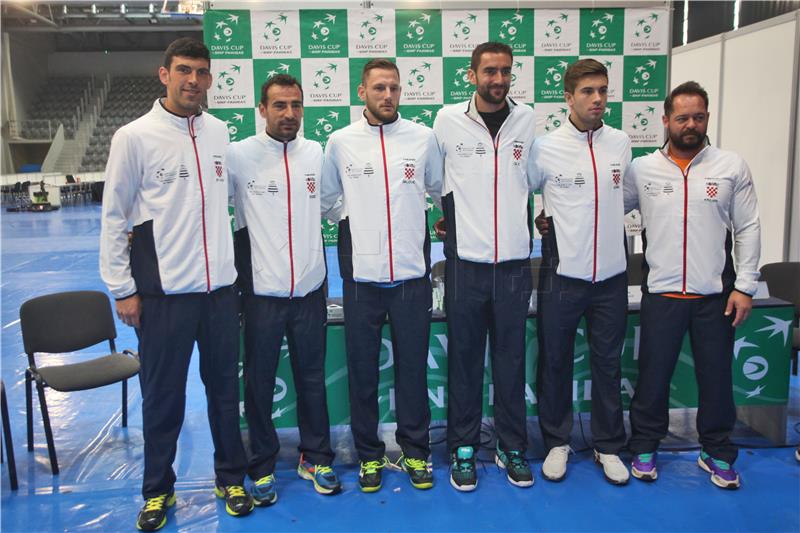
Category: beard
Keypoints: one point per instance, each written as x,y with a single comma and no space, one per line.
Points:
381,113
678,141
485,92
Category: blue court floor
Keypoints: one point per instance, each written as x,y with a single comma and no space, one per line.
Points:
101,463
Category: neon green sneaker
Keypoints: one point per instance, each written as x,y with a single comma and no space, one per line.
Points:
418,470
369,475
153,515
237,501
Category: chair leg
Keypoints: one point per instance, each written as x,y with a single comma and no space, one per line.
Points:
12,465
29,409
48,431
124,403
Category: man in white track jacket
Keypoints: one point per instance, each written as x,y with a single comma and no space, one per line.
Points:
276,179
580,169
376,174
167,178
699,211
486,142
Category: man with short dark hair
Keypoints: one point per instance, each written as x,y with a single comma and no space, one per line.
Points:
579,168
702,242
377,171
166,176
485,142
279,255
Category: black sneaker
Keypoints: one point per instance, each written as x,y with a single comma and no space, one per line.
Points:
462,469
418,470
516,466
369,476
237,501
153,515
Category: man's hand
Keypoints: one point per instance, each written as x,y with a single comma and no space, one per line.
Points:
129,310
541,223
440,228
742,303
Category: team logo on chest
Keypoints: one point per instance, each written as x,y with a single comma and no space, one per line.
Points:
311,185
517,150
712,189
218,168
255,188
616,177
408,172
272,188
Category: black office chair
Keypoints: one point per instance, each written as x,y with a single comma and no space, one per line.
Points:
12,464
783,281
635,275
66,322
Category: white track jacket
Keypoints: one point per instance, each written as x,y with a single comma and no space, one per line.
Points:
166,176
276,188
581,175
692,222
381,174
486,185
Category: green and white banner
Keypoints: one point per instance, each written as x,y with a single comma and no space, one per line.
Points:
761,359
326,50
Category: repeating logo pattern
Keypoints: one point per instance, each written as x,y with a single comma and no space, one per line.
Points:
419,33
602,31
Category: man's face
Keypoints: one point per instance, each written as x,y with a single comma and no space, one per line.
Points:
380,93
588,101
492,80
187,80
688,122
283,111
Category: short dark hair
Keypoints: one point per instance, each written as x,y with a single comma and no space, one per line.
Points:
378,63
281,80
689,87
186,47
490,47
581,68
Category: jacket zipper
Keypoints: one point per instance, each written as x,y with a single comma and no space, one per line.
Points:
596,214
388,208
190,122
289,203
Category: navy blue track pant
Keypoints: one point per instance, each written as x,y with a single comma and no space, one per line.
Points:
664,322
562,301
303,320
483,298
170,325
408,307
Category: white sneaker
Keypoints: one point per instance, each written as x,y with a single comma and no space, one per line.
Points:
614,469
554,467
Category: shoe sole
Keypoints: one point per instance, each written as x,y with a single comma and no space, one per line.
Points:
644,476
264,503
463,488
617,482
221,495
370,489
554,479
422,486
317,487
522,484
716,480
170,502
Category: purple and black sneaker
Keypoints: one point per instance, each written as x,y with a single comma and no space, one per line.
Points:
722,474
644,467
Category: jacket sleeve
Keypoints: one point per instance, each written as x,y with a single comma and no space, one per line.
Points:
331,196
123,178
433,171
630,191
235,191
535,179
746,232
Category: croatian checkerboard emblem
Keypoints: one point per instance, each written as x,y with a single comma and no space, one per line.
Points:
408,173
218,167
517,151
311,184
616,176
711,190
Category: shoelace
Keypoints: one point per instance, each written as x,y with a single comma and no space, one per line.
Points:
464,465
155,504
517,459
235,491
416,464
322,469
266,480
370,467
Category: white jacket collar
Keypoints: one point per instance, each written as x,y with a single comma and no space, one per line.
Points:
472,107
196,121
573,131
387,127
272,142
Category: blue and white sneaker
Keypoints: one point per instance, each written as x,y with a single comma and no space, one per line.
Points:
263,491
324,478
